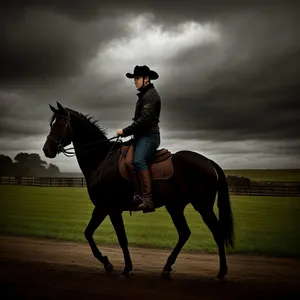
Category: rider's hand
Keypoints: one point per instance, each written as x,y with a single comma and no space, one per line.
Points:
119,132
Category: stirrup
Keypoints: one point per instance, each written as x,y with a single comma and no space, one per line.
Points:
137,200
146,209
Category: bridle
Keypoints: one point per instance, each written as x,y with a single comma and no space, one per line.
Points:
60,147
66,152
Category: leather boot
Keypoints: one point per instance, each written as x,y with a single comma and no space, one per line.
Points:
147,205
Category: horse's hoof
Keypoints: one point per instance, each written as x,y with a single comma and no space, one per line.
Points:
222,274
122,277
126,272
109,268
166,275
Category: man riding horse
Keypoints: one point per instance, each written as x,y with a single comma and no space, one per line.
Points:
146,134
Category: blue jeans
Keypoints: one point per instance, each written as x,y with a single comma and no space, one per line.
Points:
145,148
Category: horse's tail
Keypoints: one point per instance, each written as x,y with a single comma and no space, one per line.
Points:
225,212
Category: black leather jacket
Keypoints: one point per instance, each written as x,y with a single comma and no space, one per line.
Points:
147,112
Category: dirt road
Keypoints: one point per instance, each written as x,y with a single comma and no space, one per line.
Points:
45,269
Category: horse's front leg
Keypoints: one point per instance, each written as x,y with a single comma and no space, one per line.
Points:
117,221
97,218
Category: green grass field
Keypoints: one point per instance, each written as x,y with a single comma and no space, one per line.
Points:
267,175
265,225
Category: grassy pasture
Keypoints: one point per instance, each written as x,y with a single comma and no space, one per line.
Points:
264,225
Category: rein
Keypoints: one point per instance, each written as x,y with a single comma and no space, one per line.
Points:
66,152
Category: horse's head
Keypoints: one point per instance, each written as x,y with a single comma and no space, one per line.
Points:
60,134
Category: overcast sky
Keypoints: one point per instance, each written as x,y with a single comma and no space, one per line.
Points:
229,74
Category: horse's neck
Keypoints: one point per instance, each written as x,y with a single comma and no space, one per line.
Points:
90,156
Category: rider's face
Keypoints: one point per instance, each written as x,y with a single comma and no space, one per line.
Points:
138,81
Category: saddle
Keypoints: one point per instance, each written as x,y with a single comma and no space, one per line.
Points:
160,166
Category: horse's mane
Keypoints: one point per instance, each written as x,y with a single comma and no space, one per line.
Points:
87,118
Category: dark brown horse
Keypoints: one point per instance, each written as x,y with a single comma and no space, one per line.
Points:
194,179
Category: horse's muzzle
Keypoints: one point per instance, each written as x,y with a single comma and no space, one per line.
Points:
48,153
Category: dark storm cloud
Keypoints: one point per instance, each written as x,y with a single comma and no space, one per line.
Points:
247,88
253,147
43,40
91,9
39,45
244,87
17,128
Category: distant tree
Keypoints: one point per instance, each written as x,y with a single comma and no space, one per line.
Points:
21,165
22,158
37,165
238,181
53,170
29,164
35,159
26,164
5,165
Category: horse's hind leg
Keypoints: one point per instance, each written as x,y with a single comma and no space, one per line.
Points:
97,217
184,233
213,224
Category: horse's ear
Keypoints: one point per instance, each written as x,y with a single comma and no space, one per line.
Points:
53,108
60,107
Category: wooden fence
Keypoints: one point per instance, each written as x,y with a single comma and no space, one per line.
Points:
44,181
260,188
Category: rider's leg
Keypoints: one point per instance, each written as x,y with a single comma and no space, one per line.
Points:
144,151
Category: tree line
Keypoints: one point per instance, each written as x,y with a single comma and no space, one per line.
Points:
26,165
31,164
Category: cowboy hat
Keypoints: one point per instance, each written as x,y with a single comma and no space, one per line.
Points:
143,71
